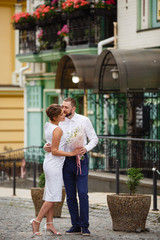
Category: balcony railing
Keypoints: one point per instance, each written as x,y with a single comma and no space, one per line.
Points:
87,26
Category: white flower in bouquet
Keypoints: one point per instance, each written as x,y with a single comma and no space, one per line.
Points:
76,139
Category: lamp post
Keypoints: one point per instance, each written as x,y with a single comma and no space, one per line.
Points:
115,72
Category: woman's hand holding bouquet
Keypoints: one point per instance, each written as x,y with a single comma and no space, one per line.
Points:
76,140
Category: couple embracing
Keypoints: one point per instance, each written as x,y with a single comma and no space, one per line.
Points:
62,163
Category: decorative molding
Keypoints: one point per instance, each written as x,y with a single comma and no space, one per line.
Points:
52,90
35,110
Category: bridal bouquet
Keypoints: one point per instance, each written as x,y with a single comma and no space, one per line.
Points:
76,140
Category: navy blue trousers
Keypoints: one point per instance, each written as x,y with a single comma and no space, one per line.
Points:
74,183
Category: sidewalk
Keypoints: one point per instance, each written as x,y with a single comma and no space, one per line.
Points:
16,212
99,198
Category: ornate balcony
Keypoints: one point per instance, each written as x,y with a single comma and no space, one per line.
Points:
86,27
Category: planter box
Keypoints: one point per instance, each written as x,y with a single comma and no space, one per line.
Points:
78,13
52,20
37,197
24,26
101,12
129,213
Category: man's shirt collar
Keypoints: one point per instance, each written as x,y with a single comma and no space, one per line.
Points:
73,118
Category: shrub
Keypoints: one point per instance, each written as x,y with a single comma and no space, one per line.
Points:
134,175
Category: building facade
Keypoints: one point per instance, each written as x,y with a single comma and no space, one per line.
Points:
43,61
126,106
11,93
138,24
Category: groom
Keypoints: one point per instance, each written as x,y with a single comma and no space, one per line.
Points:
72,180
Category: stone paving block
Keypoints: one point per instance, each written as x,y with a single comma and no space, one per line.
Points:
15,214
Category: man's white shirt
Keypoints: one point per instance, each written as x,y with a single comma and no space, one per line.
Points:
78,121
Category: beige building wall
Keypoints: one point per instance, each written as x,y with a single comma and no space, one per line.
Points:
11,96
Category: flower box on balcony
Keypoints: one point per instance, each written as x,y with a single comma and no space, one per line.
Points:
23,21
78,13
47,15
52,20
101,11
91,25
24,26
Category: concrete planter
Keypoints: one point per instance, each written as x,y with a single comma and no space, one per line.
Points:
129,213
37,196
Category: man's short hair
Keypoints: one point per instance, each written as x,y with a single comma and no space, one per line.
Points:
72,100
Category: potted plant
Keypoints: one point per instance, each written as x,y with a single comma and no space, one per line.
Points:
129,211
37,197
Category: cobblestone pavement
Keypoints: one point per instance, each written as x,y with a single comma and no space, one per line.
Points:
15,214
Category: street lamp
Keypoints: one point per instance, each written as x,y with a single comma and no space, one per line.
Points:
115,73
75,78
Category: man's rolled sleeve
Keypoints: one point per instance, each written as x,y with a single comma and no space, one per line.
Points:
91,135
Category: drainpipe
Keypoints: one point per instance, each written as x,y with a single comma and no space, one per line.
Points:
109,40
21,84
25,100
104,42
21,74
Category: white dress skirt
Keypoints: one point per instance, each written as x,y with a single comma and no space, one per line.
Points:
52,167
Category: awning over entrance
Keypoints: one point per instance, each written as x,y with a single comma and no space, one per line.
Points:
82,65
138,70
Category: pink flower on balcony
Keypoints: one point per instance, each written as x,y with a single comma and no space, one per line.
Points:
64,31
40,34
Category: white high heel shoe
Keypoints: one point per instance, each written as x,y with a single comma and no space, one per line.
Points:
45,227
36,233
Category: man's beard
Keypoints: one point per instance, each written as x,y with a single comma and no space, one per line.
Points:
68,114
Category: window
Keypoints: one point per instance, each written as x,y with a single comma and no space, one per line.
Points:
148,14
158,10
155,13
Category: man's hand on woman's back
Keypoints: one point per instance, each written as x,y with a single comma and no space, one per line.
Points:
47,147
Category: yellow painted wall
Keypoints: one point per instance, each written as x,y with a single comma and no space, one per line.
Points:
11,98
11,120
6,63
6,42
